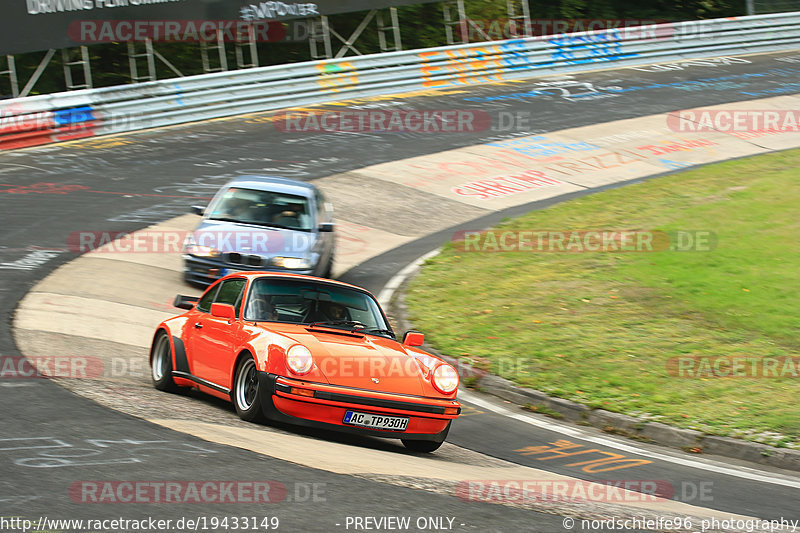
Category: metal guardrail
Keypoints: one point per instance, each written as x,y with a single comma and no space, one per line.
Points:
37,120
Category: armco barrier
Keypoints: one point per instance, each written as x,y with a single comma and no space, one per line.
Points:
57,117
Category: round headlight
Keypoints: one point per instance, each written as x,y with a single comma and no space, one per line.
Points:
445,378
192,248
291,263
202,251
299,359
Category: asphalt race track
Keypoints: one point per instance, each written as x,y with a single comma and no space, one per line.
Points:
53,439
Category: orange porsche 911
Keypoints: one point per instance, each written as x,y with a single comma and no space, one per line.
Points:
307,351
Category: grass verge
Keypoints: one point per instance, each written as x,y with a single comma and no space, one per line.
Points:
607,329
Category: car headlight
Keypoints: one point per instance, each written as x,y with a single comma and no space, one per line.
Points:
299,359
445,378
291,263
192,248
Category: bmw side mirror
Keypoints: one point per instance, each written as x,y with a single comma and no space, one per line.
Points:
198,210
413,338
326,227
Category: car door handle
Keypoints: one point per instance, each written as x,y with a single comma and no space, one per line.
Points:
198,325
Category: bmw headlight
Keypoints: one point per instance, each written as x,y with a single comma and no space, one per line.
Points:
292,263
299,359
192,248
445,378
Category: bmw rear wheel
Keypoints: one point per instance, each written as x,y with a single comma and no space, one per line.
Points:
245,393
328,273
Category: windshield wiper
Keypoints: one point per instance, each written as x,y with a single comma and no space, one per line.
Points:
265,224
358,327
351,323
251,222
376,330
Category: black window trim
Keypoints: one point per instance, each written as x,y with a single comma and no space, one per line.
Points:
249,290
215,288
238,298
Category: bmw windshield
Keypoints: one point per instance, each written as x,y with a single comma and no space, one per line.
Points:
263,208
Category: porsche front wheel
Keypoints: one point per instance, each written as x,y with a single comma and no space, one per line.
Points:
245,391
161,364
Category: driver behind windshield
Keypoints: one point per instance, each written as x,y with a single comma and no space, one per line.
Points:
331,312
237,204
293,215
260,309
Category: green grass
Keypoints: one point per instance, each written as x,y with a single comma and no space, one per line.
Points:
599,328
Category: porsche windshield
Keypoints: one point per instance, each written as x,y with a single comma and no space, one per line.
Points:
264,208
321,304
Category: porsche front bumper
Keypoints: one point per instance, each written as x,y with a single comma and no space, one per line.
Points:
324,406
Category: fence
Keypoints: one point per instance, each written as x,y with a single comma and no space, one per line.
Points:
37,120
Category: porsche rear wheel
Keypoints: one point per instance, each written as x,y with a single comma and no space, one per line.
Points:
245,394
161,364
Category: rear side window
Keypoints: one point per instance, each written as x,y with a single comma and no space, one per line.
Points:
204,304
230,293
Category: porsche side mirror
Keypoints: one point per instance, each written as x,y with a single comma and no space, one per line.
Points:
326,227
198,210
223,311
413,338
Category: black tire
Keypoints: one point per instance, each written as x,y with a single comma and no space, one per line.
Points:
192,283
422,446
161,364
427,446
245,394
329,268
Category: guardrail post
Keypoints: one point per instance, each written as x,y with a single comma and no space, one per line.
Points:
455,16
11,72
246,41
393,29
82,62
134,56
220,48
519,14
319,31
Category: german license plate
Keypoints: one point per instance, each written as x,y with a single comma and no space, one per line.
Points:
226,271
370,420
